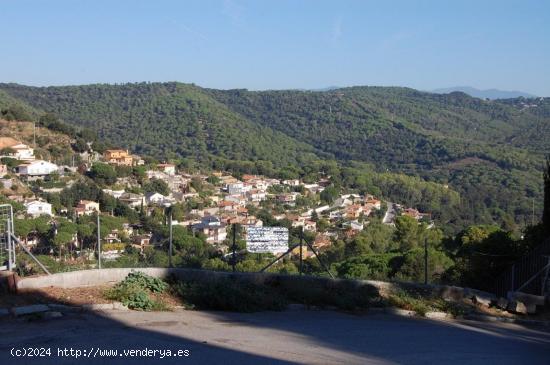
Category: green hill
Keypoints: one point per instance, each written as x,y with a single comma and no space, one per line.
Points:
490,152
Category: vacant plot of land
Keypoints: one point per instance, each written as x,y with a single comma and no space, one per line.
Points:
294,336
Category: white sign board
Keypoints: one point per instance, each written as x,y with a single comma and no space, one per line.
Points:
267,239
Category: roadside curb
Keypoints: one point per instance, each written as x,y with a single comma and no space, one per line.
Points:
442,316
487,318
53,310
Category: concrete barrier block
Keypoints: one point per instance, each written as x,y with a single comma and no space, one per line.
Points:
51,315
515,306
438,315
482,300
29,309
98,306
400,312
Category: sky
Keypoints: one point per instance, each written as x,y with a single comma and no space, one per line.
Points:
278,44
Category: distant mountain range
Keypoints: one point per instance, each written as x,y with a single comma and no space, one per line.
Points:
485,94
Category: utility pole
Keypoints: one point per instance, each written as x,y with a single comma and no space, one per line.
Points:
170,243
234,247
425,261
98,243
533,214
301,244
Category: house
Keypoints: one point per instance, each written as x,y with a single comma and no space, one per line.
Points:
37,208
133,200
118,157
167,168
15,149
335,214
86,207
354,211
112,237
157,199
141,240
114,193
373,202
227,206
310,226
256,195
235,188
411,212
291,182
287,198
342,202
212,228
3,170
37,168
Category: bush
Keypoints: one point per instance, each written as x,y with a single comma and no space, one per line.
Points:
230,295
136,291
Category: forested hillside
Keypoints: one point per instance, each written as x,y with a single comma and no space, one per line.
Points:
490,152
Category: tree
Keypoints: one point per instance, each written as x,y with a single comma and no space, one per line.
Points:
15,112
365,267
156,186
413,265
103,174
407,233
329,194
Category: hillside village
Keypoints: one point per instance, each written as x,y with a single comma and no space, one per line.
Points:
135,197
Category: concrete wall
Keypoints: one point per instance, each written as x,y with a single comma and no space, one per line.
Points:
291,282
108,276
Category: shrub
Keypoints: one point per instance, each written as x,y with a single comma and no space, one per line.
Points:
230,295
136,290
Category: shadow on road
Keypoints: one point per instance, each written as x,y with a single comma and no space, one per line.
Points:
293,336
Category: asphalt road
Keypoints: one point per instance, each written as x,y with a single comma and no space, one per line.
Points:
389,217
296,336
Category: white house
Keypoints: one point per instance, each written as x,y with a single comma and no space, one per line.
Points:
37,208
158,199
114,193
86,207
236,188
212,228
37,168
19,151
167,168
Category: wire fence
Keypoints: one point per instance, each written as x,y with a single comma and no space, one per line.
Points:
525,270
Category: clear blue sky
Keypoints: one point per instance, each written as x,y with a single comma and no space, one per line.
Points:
278,44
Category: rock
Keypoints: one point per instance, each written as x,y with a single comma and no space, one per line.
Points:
400,312
52,315
483,299
501,303
98,306
29,309
437,315
119,306
516,306
452,293
478,299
